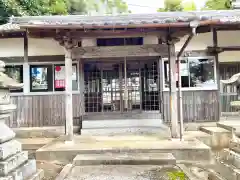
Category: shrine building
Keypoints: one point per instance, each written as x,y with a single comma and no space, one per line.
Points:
121,71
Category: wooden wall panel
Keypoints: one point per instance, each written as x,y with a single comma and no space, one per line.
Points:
42,110
197,106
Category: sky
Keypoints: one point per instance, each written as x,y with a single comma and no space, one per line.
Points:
151,6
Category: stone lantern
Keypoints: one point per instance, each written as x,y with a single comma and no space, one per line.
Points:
14,163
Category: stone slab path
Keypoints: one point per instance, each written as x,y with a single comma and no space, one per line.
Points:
120,172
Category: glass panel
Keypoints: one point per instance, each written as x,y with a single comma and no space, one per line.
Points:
111,87
202,73
184,71
194,73
59,78
15,72
41,78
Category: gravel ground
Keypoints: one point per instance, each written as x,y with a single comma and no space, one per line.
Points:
120,172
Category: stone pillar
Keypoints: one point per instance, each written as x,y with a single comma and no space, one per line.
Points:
68,95
14,163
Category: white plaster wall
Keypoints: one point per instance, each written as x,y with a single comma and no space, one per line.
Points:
37,47
225,38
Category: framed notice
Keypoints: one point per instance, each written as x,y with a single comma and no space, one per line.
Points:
59,80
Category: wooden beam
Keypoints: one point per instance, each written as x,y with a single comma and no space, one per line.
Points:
120,51
79,34
219,49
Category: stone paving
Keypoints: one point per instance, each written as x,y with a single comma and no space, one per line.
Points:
120,172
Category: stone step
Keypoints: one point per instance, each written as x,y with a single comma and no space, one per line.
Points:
215,176
230,157
201,136
13,162
124,159
188,174
37,176
24,171
126,130
235,146
114,123
233,125
220,137
226,171
9,148
34,143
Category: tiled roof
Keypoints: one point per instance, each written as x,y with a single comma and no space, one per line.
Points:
156,18
9,27
224,16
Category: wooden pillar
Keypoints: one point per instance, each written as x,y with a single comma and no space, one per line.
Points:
173,90
26,74
215,44
68,95
160,82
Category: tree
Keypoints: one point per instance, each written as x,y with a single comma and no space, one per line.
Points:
189,6
178,5
217,5
172,5
10,8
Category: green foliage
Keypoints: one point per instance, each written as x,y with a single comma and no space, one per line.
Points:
172,5
189,6
178,5
218,5
10,8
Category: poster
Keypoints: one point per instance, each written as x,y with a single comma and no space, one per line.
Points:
183,70
60,75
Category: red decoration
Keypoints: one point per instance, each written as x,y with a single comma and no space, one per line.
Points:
58,68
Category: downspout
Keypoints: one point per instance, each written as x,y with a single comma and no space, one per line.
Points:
193,25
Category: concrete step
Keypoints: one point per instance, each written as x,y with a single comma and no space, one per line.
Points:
201,136
41,132
114,123
230,157
192,150
34,143
233,125
124,159
220,137
226,170
215,176
165,133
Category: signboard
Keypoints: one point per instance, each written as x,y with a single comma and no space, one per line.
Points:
183,70
60,76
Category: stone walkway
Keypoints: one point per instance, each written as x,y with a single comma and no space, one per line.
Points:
120,172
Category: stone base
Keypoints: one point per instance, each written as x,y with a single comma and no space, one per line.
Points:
6,133
13,162
23,172
9,148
